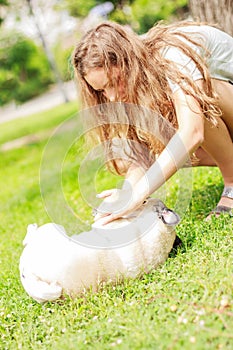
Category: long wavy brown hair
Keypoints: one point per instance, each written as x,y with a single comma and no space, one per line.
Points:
145,122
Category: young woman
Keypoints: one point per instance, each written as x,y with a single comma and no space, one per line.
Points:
182,72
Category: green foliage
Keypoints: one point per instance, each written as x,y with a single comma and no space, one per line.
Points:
3,3
63,61
82,8
8,84
25,70
122,15
140,14
79,8
148,12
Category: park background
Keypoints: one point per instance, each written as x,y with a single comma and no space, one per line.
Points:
185,304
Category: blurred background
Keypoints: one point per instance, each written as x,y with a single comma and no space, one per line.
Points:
37,38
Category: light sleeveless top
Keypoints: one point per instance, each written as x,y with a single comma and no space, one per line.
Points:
218,43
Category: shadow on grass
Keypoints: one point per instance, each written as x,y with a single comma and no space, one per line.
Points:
204,200
193,224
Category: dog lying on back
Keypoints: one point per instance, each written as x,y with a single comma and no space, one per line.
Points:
53,264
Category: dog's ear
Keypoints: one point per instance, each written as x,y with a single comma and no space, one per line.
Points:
31,230
168,216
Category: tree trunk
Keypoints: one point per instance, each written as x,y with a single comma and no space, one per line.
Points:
218,12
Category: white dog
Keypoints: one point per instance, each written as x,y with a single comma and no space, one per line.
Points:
53,264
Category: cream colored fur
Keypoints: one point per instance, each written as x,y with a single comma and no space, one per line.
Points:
53,264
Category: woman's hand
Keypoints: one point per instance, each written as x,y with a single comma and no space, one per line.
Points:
117,203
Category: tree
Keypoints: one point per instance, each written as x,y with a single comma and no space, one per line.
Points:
214,12
32,17
24,69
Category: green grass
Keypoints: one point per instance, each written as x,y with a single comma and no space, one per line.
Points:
185,304
36,123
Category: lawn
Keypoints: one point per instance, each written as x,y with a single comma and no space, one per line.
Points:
185,304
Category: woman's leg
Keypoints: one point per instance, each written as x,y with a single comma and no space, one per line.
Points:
225,93
203,158
218,140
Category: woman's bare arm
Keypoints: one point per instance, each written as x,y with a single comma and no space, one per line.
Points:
187,139
134,174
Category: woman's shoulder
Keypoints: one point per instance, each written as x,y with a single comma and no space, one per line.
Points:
204,29
196,29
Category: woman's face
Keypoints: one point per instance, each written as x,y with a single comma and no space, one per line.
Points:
113,90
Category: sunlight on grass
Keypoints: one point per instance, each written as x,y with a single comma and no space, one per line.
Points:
37,122
185,304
